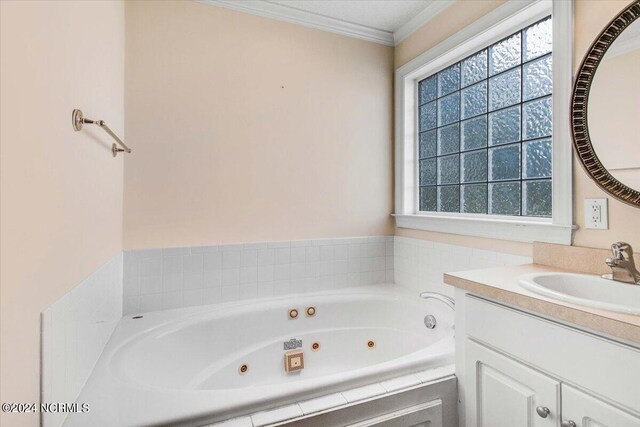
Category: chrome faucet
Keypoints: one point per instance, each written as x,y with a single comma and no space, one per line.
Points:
440,297
622,265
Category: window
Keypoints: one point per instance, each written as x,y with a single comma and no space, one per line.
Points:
485,129
483,144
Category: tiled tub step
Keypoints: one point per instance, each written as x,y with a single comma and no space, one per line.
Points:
408,400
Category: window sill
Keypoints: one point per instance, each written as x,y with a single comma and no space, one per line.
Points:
518,230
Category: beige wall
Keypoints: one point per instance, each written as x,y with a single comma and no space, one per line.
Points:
503,246
252,129
61,191
590,18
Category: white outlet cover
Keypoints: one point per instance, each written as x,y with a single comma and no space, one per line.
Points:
596,214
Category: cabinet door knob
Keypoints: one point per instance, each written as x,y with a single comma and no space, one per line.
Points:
568,423
543,411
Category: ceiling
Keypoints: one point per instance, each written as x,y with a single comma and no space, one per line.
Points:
382,21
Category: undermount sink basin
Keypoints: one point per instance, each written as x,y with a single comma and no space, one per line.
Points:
584,289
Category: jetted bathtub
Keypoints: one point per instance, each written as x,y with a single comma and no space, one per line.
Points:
184,366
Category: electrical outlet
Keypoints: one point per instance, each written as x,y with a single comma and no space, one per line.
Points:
595,214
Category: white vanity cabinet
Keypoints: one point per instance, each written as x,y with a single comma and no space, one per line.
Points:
518,369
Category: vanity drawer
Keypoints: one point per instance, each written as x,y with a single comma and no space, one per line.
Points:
568,354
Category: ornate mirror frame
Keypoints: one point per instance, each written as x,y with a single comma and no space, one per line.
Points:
579,106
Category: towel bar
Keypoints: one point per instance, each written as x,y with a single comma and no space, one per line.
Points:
78,120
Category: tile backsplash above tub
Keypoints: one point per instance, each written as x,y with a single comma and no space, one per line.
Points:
161,279
420,264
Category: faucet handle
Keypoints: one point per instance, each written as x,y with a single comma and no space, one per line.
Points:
622,251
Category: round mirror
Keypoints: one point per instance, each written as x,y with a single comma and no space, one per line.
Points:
606,108
614,108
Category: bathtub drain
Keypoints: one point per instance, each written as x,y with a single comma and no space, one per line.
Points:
315,346
243,369
371,344
430,321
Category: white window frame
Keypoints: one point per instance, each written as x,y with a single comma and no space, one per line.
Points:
502,22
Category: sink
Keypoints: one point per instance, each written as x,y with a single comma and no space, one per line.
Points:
585,289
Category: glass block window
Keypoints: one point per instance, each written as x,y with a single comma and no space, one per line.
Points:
485,130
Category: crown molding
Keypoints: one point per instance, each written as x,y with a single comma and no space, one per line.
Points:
428,13
307,19
313,20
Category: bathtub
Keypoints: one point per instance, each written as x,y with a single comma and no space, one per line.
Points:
184,366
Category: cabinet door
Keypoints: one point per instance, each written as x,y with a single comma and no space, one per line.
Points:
587,411
504,393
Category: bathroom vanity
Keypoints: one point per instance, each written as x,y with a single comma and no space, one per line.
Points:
524,359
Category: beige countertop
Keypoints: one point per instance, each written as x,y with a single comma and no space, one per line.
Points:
501,284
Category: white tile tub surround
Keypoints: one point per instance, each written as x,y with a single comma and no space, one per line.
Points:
74,331
420,264
161,279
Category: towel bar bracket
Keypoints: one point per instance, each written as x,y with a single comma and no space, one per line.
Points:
78,119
